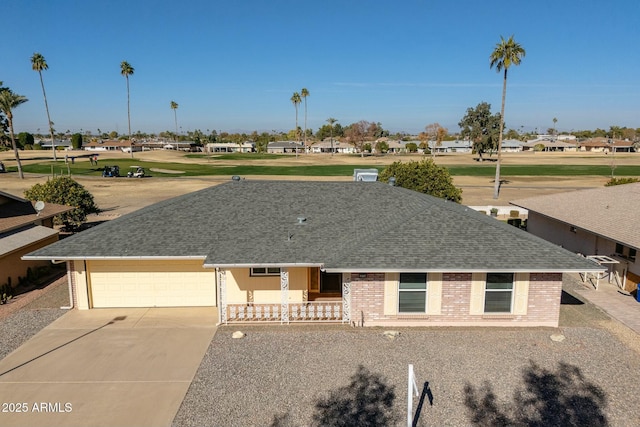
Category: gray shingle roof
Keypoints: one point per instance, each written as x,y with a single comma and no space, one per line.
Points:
349,226
611,212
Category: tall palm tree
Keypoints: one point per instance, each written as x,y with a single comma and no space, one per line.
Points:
303,94
296,101
505,54
331,121
174,107
127,70
38,63
9,101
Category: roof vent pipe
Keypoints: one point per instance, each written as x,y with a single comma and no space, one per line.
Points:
392,181
235,178
302,220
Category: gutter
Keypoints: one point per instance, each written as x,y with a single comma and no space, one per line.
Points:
57,259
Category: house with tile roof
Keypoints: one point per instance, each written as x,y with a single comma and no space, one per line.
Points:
23,229
597,221
363,253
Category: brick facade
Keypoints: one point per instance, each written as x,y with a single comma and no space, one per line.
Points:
543,304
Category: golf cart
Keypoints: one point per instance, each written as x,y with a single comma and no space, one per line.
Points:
139,173
111,172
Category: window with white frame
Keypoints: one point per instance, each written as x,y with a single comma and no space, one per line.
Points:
498,294
265,271
412,293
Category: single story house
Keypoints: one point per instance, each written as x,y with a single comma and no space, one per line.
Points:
230,147
549,145
285,147
363,253
607,145
598,221
24,227
111,145
326,145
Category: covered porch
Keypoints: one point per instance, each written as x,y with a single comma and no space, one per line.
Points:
283,294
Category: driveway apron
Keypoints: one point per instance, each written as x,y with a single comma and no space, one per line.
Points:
106,367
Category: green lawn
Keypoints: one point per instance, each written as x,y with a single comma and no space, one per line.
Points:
84,168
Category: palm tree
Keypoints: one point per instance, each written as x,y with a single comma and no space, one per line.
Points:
303,94
555,131
296,101
127,70
505,54
38,63
9,101
331,121
174,107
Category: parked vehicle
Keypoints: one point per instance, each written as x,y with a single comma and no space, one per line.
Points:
111,172
139,172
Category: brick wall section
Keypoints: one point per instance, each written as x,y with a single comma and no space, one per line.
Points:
367,298
545,290
367,302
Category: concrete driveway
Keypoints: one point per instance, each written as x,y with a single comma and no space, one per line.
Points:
106,367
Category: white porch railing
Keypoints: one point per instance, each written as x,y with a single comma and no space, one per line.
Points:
312,311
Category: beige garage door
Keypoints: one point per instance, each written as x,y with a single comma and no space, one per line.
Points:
151,284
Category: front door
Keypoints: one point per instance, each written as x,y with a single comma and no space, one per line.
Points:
330,283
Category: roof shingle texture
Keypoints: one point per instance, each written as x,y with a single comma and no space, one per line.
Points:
611,212
352,226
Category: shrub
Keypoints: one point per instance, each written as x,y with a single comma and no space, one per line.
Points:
65,191
425,177
621,181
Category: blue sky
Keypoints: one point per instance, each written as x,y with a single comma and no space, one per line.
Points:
233,65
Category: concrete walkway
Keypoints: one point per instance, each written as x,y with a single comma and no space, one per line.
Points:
106,367
615,303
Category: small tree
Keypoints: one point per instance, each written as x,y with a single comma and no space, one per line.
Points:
65,191
425,177
25,139
76,141
382,147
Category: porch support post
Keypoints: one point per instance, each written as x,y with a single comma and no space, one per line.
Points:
284,296
346,297
222,282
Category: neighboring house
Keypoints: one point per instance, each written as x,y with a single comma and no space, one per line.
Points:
606,145
325,146
457,146
285,147
549,145
24,229
119,145
61,144
230,147
599,221
364,253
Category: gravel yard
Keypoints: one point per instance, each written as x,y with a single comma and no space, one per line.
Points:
302,375
293,375
42,308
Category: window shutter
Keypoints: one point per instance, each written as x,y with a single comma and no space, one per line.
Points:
434,291
477,293
391,294
521,298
